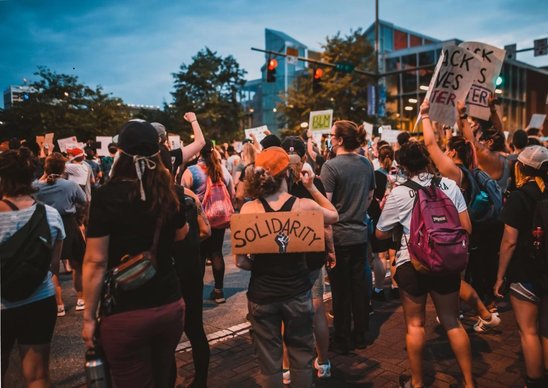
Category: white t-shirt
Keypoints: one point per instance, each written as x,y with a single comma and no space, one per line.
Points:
81,174
399,206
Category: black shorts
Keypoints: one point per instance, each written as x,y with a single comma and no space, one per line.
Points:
74,245
418,284
31,324
378,246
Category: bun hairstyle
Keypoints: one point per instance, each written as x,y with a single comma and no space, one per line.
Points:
464,150
352,135
414,158
386,156
17,172
260,183
54,167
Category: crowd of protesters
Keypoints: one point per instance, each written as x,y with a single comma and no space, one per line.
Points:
144,200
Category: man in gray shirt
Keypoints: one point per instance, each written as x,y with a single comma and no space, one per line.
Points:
349,181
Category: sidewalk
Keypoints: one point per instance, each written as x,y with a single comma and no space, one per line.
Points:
497,359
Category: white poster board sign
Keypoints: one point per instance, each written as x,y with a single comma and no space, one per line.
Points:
537,121
492,59
389,135
259,132
458,70
48,142
68,142
174,142
368,127
104,141
320,121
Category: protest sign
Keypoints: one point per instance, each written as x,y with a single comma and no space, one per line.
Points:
368,129
320,121
104,141
537,121
174,142
259,132
68,142
40,140
484,83
48,142
280,232
389,135
458,69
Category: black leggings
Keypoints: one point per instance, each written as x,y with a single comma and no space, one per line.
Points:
212,248
191,274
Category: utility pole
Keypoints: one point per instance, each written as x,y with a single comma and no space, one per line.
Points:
377,49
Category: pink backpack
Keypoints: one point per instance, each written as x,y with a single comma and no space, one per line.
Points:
217,204
437,244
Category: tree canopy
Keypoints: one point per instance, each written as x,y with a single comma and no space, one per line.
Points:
60,103
345,93
210,86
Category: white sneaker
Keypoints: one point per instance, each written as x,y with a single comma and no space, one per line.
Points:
286,377
324,370
61,311
80,305
482,326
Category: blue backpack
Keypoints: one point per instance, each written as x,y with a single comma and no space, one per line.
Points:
486,197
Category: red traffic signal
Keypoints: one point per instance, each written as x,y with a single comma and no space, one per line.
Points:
318,73
272,64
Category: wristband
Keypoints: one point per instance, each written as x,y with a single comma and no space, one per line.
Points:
425,117
193,121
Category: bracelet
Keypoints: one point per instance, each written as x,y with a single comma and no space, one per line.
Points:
193,121
425,117
463,116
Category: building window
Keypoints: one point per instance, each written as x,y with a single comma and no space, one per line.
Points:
414,41
400,40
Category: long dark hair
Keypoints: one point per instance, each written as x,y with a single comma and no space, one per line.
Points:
161,198
213,164
17,172
464,150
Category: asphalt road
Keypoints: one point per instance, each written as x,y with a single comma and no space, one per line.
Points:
67,353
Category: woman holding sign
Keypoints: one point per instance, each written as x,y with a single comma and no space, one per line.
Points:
279,287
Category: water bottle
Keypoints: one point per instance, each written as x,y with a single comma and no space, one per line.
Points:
96,370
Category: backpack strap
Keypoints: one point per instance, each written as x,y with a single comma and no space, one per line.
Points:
287,206
10,204
412,185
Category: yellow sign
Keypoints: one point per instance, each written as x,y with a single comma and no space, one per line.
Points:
277,232
320,121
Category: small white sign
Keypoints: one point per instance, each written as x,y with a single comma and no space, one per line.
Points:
368,129
104,141
68,142
537,121
320,121
259,132
174,142
389,135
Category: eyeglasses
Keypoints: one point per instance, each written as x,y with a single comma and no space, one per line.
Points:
333,134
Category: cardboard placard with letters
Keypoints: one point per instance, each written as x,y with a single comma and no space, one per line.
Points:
277,232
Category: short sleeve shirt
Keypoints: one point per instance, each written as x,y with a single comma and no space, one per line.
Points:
399,206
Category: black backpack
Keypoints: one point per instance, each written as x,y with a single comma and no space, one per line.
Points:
536,243
25,257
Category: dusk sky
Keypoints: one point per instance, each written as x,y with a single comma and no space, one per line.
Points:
131,48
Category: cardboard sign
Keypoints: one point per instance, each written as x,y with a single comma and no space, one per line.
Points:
537,121
174,142
279,232
104,141
40,140
492,59
456,71
389,135
69,142
320,121
258,132
48,142
368,129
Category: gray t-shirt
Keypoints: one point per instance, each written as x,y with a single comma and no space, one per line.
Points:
350,177
63,195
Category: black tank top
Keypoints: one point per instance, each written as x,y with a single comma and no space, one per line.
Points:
278,277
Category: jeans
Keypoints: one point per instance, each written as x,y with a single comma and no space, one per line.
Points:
350,288
266,321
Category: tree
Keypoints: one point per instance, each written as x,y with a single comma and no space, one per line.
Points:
63,105
210,86
345,93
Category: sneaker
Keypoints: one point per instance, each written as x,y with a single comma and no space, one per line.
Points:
324,370
286,377
482,326
61,311
80,305
218,296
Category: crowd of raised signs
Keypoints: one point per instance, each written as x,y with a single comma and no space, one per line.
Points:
457,213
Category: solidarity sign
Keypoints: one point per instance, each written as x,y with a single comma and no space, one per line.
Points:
484,83
456,71
280,232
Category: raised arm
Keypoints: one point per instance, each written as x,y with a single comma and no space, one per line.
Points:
329,212
199,141
494,117
310,145
444,163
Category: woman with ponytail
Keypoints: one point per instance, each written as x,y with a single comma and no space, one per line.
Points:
458,159
64,195
195,179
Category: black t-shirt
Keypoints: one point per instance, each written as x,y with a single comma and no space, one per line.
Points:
176,159
374,210
276,277
518,213
165,156
131,230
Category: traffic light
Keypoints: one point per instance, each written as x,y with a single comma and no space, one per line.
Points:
317,74
271,66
